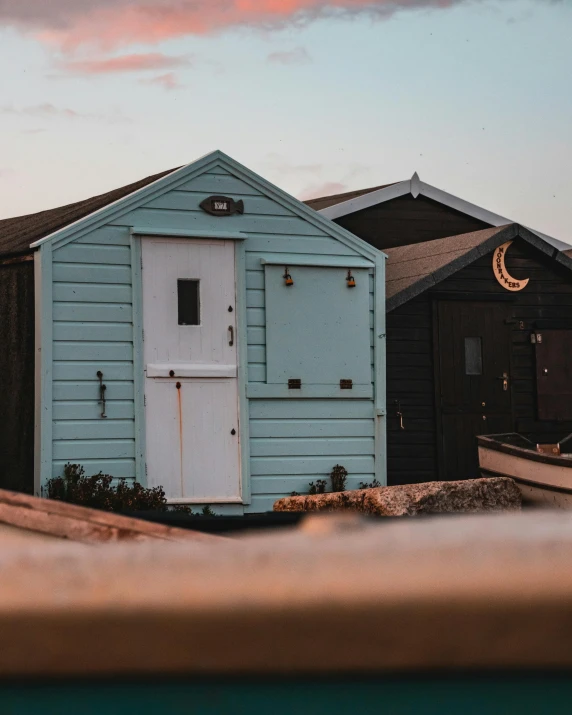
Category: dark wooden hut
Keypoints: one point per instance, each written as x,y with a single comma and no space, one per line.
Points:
470,349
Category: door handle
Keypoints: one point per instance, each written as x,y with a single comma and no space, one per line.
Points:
231,335
504,378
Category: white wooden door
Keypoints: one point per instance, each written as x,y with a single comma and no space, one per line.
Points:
190,356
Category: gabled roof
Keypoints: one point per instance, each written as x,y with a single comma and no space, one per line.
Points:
16,234
325,201
343,204
110,206
59,226
415,268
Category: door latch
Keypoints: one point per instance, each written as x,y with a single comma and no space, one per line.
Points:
399,413
504,378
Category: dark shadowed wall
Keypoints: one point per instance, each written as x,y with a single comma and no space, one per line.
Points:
17,376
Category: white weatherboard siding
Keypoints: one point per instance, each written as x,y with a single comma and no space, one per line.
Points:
292,441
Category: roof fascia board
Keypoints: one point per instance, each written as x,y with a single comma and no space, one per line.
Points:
415,187
404,296
106,214
366,201
539,243
454,202
300,209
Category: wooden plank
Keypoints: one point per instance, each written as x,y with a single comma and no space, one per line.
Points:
79,450
219,184
93,312
80,331
89,390
93,253
164,219
111,235
75,351
285,447
74,371
92,293
89,526
91,409
117,468
317,465
311,409
256,335
86,273
305,428
190,201
87,429
257,373
300,483
256,354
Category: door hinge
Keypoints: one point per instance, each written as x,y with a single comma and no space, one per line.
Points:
143,336
145,468
144,400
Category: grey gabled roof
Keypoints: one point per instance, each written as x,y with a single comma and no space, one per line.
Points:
16,234
323,202
415,268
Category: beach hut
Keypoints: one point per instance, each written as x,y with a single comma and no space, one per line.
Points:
200,330
479,326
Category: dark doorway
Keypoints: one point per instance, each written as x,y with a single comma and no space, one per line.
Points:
473,381
554,374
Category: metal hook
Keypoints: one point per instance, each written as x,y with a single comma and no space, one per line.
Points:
399,413
102,389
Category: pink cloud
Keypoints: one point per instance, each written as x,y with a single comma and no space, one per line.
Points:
167,81
297,56
114,23
125,63
328,188
47,110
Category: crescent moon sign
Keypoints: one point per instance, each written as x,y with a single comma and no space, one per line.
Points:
501,273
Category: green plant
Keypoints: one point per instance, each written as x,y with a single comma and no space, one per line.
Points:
339,476
318,488
100,492
371,485
294,494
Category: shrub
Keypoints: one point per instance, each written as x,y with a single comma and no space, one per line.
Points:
339,476
99,492
318,488
371,485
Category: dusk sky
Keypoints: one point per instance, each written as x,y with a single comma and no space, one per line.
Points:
318,96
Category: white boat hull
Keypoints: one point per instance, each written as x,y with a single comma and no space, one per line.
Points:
543,483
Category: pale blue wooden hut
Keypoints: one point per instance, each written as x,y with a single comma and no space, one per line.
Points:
205,331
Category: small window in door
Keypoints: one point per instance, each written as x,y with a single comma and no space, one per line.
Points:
189,302
473,356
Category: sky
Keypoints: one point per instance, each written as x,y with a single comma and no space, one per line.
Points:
318,96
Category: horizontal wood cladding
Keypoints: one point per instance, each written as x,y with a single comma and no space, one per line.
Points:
412,452
17,376
293,441
406,220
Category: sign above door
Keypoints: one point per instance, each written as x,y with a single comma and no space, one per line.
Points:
501,273
222,206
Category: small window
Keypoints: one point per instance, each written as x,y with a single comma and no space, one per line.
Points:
189,302
473,356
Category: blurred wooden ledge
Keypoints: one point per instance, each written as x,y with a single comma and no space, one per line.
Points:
449,593
25,518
